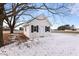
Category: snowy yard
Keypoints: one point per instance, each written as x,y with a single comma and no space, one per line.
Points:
57,44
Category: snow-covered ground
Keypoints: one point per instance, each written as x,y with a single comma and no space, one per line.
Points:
58,44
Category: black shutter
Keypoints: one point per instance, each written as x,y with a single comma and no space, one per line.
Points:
32,28
37,28
47,28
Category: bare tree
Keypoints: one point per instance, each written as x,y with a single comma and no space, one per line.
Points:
5,15
17,10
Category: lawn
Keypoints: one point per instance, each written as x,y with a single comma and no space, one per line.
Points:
57,44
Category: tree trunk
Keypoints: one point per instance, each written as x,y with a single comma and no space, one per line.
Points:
1,33
1,24
11,30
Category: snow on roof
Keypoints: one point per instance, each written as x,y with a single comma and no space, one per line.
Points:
39,17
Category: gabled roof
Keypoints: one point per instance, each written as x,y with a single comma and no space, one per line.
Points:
40,17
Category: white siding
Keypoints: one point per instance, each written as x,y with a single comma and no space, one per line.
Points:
41,30
41,24
26,31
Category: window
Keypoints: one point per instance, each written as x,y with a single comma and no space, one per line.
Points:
47,28
34,28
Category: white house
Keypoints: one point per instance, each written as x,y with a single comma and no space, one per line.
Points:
38,27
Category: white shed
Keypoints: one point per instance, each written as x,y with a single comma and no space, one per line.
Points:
38,27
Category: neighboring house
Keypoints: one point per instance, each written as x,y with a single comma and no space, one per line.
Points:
37,27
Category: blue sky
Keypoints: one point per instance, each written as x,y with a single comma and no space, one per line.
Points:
56,20
72,19
60,20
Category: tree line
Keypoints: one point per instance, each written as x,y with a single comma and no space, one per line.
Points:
66,27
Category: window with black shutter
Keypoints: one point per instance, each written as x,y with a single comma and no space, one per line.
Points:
47,28
31,28
34,28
